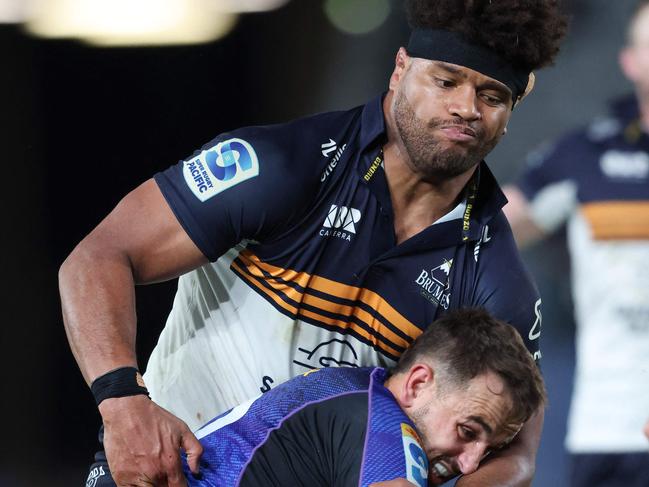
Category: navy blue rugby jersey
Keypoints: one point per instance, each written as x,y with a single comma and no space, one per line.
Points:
298,223
335,426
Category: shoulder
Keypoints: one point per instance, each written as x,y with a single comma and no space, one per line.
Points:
292,152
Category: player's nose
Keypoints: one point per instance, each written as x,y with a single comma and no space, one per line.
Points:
463,103
469,460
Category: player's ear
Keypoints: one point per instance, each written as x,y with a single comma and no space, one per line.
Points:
419,377
401,62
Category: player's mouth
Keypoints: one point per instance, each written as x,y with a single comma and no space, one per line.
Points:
459,133
441,471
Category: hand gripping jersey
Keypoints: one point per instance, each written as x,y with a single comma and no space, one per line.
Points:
598,179
306,273
336,426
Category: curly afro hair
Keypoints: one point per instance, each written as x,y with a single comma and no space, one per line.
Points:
525,33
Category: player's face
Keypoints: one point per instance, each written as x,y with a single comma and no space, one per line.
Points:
459,427
448,117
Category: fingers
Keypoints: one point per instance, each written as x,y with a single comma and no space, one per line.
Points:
193,450
143,442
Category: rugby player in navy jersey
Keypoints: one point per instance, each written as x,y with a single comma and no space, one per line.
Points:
332,239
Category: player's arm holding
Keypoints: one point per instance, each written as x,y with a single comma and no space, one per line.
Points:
140,241
188,215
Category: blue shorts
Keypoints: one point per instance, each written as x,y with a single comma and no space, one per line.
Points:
610,470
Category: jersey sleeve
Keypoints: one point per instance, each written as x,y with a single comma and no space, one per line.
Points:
505,288
248,184
548,180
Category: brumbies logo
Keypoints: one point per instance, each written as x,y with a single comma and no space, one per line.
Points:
435,284
218,168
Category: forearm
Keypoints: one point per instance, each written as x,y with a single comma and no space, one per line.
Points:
509,471
513,466
98,303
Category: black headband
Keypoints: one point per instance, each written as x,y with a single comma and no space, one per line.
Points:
451,47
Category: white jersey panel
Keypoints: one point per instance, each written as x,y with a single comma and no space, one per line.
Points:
224,344
611,296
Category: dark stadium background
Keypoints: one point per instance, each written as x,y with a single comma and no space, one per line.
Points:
81,126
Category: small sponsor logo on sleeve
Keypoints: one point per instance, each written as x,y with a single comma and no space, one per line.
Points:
221,167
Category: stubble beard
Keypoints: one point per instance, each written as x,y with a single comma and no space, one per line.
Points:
427,154
419,417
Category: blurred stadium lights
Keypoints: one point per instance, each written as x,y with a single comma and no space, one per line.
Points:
248,5
13,11
357,16
131,22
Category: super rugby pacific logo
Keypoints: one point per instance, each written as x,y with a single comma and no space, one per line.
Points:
221,167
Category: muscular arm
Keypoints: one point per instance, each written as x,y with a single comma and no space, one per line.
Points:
140,241
514,466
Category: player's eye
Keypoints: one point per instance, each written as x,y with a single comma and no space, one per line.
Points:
466,433
444,83
491,99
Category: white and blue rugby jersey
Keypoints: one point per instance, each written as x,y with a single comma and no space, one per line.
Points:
597,180
298,223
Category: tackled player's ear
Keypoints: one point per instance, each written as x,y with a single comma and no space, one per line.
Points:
418,378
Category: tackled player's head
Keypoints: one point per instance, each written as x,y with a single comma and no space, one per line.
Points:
467,343
468,383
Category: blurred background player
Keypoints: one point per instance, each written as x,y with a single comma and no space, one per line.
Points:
335,238
597,179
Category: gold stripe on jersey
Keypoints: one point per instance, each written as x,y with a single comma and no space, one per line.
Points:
619,220
340,324
275,288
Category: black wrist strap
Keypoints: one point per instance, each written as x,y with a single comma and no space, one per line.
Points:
121,382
